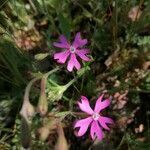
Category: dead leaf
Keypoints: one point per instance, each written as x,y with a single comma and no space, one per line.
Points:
49,127
146,65
134,13
120,100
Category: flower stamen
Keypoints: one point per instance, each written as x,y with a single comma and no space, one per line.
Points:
95,116
72,49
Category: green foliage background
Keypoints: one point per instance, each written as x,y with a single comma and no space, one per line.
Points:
119,49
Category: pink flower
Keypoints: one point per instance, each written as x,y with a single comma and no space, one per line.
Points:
96,121
71,51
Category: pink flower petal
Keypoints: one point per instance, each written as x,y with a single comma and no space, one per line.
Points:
78,42
82,54
101,104
62,56
60,45
83,124
63,42
73,62
63,39
85,106
104,121
84,51
96,131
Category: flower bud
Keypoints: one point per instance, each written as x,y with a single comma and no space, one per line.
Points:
42,104
43,133
61,141
27,111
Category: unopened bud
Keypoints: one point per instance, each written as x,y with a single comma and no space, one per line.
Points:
27,111
61,141
43,133
42,104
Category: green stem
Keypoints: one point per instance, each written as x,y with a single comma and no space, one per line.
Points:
3,3
55,84
33,6
115,25
70,83
27,90
122,141
50,72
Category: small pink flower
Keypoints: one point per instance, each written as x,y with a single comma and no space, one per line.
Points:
71,51
95,120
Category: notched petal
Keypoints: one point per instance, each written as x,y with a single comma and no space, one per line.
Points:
96,131
73,62
78,42
62,56
63,43
83,125
85,106
82,54
104,121
100,105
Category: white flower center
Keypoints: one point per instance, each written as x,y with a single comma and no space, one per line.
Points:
95,116
72,49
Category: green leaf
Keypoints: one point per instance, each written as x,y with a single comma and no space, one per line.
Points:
3,21
54,3
64,25
41,56
13,62
63,114
19,10
83,70
2,3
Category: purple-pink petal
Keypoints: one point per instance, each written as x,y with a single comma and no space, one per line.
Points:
85,106
96,131
83,124
104,121
63,42
101,104
60,45
73,62
62,56
82,54
84,51
78,42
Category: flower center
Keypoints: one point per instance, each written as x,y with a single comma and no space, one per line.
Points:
95,116
72,49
